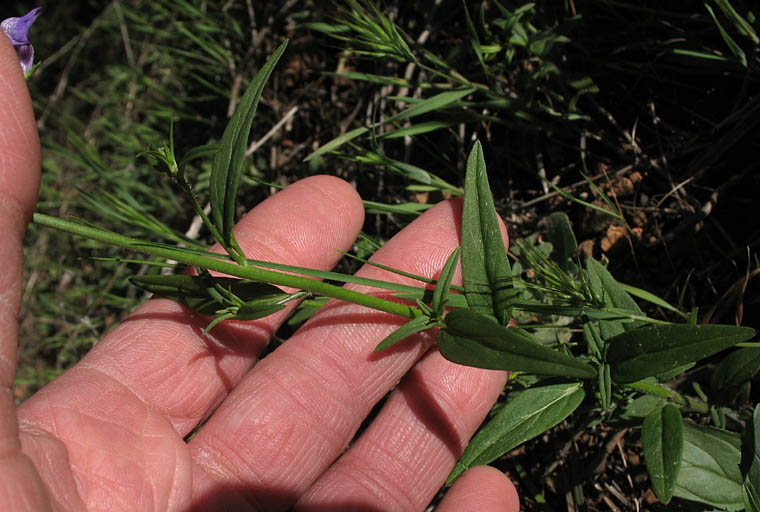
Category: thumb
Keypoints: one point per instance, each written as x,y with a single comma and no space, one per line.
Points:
20,487
19,184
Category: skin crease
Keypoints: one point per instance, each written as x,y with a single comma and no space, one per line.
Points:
108,434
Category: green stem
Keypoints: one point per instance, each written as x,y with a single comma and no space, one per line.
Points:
246,272
658,390
233,250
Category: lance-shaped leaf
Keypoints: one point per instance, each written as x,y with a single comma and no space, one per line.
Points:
228,164
526,415
710,467
605,286
207,295
605,386
662,438
485,267
564,244
750,463
735,369
474,339
413,326
443,285
646,351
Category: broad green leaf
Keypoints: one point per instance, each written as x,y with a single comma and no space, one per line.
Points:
750,463
201,293
607,288
710,467
735,369
639,353
485,267
564,245
642,406
662,438
228,164
473,339
413,326
526,415
442,287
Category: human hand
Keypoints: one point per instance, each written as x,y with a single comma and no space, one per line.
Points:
110,433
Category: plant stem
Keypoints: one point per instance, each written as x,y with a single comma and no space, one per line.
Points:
246,272
234,250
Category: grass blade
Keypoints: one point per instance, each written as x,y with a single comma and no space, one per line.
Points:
437,102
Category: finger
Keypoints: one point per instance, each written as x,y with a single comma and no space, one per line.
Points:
19,183
159,353
481,489
403,458
158,373
298,409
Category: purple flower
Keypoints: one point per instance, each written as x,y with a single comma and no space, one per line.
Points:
17,30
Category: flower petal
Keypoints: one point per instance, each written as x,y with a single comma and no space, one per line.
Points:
17,29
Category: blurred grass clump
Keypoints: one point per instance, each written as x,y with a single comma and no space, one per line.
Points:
638,120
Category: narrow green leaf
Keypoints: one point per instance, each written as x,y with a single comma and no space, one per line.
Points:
594,341
662,438
473,339
228,164
437,102
413,326
742,25
605,386
710,467
485,267
419,129
400,208
432,104
199,152
200,294
646,351
442,287
560,235
750,463
649,297
526,415
735,48
607,288
337,142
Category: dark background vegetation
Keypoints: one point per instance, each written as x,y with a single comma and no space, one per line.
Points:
669,135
